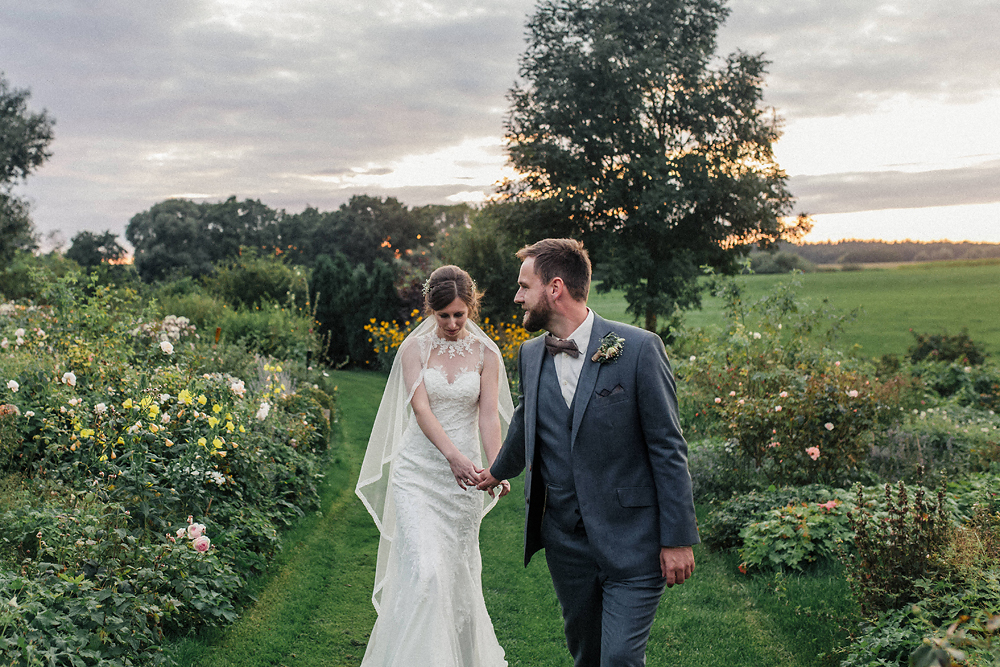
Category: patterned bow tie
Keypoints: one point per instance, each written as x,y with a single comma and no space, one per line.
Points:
556,345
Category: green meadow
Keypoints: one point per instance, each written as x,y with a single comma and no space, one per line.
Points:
932,297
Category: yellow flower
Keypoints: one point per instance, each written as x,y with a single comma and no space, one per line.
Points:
202,400
87,433
230,427
184,397
202,442
212,421
217,443
154,410
153,428
127,404
242,430
216,408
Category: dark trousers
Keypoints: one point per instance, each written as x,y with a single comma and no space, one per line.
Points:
607,621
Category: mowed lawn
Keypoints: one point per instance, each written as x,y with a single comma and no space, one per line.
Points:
313,608
931,297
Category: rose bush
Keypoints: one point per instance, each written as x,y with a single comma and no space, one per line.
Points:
149,479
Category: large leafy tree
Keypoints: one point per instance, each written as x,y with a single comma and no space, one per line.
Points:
89,250
655,154
24,142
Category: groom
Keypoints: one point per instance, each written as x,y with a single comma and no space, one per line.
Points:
607,488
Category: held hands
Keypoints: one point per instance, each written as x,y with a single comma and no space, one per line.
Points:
466,473
489,483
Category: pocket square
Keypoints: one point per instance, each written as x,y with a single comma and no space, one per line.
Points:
604,393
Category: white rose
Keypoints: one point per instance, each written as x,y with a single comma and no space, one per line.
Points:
13,386
265,408
69,378
166,346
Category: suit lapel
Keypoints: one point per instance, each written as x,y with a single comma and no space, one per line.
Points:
588,376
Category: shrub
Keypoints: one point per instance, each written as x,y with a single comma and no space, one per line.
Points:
253,281
796,411
121,426
935,445
726,522
346,298
975,386
894,548
795,536
942,347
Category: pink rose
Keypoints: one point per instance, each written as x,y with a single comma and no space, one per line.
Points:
202,544
195,530
813,452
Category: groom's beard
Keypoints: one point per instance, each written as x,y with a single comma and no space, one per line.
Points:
537,317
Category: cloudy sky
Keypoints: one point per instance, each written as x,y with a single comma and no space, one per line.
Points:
890,109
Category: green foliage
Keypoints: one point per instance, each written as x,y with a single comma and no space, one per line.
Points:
346,298
795,536
252,281
936,445
779,262
726,522
894,548
977,386
120,430
658,161
90,250
942,347
487,251
791,408
24,140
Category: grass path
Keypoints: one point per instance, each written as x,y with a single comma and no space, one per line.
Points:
313,608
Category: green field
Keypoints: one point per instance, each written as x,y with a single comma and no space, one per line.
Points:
933,297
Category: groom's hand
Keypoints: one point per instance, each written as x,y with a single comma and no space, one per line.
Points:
676,564
489,483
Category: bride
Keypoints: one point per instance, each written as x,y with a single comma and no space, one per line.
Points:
418,481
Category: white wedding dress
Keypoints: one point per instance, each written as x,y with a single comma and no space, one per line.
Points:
432,612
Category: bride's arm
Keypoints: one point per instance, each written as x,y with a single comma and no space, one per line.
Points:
466,474
489,413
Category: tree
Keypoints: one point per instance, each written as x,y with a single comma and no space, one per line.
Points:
346,297
168,240
658,161
90,250
487,250
24,141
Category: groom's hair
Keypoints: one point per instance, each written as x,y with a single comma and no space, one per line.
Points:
562,258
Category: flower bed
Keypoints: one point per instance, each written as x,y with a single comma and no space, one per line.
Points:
148,473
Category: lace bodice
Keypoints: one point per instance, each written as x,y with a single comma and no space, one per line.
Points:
451,377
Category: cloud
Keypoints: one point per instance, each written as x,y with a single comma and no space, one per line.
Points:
299,102
832,57
873,191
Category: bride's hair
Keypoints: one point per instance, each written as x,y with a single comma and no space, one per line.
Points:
448,283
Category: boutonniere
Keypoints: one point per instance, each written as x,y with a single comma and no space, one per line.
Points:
610,349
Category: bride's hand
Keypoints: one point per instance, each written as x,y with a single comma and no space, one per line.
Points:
466,474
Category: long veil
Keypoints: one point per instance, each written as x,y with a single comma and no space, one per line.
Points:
387,434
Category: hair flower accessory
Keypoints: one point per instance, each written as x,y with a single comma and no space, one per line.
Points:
610,349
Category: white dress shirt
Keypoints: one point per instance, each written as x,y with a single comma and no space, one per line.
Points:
568,369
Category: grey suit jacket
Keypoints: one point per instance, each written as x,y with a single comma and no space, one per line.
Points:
629,457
